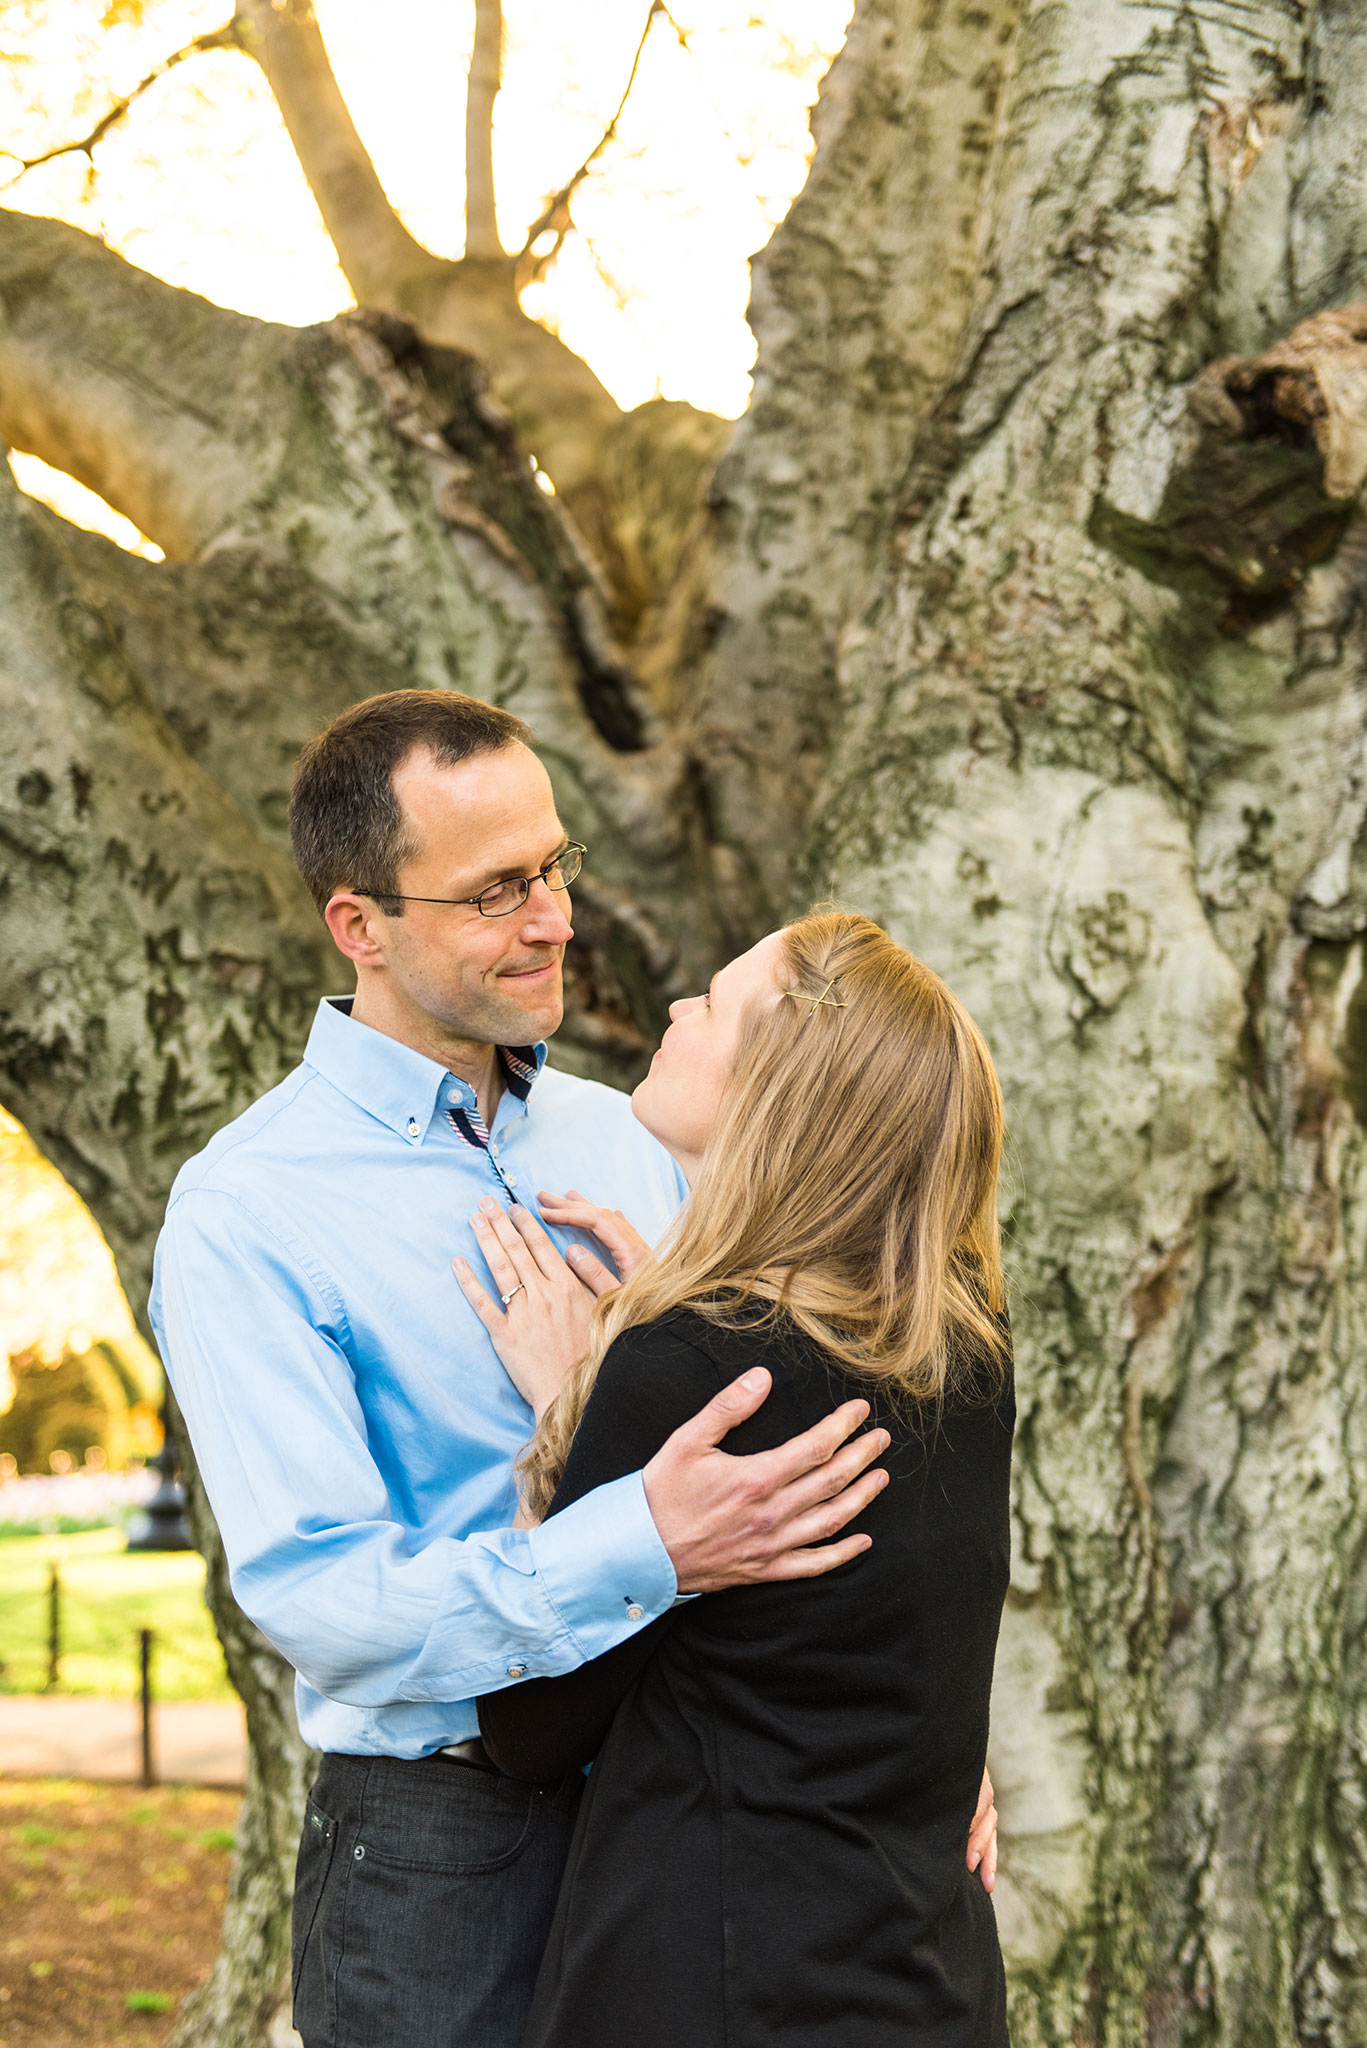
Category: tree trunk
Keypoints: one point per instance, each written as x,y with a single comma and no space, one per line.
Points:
1026,614
1080,701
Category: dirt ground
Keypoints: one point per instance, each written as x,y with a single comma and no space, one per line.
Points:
110,1903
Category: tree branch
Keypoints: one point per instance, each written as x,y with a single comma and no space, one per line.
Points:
561,409
555,215
383,263
485,77
224,38
148,395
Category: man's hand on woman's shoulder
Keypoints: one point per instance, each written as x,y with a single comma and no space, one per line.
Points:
733,1521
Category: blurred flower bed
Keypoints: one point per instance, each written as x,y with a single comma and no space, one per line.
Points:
60,1503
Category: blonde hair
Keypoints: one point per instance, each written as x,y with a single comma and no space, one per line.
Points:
850,1182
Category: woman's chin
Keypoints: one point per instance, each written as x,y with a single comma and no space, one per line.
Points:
646,1111
641,1109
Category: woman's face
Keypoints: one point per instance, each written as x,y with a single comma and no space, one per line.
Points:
680,1096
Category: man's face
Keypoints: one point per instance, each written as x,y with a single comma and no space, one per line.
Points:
493,980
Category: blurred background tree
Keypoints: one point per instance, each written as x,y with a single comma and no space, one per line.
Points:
76,1376
1022,607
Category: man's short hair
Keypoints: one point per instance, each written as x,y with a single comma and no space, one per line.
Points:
346,827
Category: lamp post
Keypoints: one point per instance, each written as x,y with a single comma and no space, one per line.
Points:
162,1525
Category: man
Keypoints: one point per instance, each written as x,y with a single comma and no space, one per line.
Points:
354,1428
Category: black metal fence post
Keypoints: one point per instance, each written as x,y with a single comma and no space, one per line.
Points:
149,1776
54,1626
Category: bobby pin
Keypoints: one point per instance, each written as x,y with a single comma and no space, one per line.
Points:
825,997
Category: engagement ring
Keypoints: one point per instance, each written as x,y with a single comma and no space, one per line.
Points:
506,1298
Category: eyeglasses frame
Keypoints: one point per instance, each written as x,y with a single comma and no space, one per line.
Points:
456,902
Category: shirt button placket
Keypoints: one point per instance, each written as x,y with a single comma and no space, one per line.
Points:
507,1181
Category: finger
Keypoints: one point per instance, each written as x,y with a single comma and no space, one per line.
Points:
508,1267
732,1405
573,1215
836,1474
511,1239
543,1250
981,1836
988,1871
818,1524
482,1304
572,1199
985,1798
814,1564
598,1278
771,1470
622,1239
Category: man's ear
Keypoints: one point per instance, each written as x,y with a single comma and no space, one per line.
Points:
357,927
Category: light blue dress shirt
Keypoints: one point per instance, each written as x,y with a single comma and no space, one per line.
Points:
354,1427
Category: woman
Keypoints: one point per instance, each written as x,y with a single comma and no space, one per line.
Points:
770,1847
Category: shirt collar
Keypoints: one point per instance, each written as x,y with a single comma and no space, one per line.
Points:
403,1088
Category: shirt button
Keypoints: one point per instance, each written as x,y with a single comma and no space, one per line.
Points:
635,1613
517,1671
413,1127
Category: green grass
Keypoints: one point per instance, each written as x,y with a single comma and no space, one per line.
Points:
108,1594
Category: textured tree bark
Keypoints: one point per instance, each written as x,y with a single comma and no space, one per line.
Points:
1083,718
160,965
1027,613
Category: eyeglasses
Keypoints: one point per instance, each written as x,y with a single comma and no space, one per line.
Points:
501,899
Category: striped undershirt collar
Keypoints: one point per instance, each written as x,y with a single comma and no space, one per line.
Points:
519,1071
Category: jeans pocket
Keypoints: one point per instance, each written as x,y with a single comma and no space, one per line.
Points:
442,1912
317,1849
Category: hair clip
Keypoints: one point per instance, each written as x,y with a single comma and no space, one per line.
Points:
816,1001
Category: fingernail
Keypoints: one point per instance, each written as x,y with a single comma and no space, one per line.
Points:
750,1381
488,1204
882,1481
576,1251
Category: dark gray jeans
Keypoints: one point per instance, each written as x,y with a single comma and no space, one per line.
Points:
423,1899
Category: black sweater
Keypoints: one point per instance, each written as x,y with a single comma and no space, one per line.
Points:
771,1845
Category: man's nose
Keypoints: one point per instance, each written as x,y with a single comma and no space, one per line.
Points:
545,916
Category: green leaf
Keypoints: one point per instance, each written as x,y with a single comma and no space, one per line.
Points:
150,2001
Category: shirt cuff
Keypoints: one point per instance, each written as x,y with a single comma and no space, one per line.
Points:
603,1566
